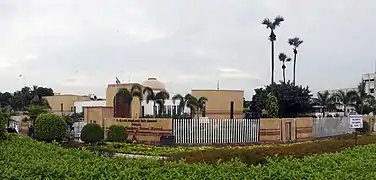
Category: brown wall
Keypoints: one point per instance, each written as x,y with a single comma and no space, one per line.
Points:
97,115
111,91
218,105
274,129
145,130
67,101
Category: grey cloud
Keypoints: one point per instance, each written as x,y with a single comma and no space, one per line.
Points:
183,43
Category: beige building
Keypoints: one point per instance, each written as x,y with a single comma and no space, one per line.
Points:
64,102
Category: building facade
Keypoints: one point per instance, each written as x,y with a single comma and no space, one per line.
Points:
369,79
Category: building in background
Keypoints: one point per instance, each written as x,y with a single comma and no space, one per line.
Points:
64,103
79,105
339,107
369,79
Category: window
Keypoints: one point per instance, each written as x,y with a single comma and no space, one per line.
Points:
95,122
61,107
372,90
169,110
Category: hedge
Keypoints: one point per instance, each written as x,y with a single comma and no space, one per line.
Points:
92,133
50,127
117,133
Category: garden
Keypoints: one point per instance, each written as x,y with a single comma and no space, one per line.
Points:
24,158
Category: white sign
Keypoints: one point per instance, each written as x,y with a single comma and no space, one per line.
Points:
356,121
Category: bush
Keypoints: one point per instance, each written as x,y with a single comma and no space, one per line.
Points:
50,127
92,133
117,133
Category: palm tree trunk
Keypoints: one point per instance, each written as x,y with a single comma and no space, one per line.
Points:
272,79
294,71
284,73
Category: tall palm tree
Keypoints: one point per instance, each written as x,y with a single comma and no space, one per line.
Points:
181,103
150,96
295,43
360,97
283,58
136,91
324,100
160,99
343,98
272,25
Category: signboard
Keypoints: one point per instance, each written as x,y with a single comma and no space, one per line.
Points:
356,121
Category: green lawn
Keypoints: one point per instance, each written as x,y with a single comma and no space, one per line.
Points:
23,158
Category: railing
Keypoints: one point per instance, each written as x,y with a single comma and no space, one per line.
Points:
215,131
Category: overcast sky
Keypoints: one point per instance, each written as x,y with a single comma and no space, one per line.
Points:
81,46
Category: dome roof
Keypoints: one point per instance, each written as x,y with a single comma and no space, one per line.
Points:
154,84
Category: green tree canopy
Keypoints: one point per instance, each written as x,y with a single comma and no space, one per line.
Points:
293,100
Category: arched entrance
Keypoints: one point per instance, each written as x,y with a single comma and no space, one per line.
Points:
122,104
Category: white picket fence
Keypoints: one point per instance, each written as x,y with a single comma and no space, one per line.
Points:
215,131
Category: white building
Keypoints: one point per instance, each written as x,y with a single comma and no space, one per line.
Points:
369,79
340,107
170,108
78,105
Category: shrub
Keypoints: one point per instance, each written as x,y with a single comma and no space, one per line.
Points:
50,127
117,133
92,133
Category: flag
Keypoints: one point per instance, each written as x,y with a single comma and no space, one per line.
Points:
117,80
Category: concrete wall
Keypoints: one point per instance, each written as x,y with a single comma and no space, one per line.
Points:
80,104
218,105
274,130
66,100
145,130
97,115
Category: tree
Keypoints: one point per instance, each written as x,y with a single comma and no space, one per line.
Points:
283,58
360,97
272,108
343,98
117,133
295,43
272,25
192,104
34,111
150,96
201,105
92,133
182,102
325,101
292,100
136,91
160,99
50,127
4,120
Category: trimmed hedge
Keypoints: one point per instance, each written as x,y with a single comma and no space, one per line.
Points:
117,133
255,156
92,133
50,127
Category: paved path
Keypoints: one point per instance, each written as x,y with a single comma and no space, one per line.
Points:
140,156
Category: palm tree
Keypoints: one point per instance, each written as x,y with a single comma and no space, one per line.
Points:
191,103
360,97
181,103
160,99
136,91
201,102
343,98
295,43
324,100
150,96
283,58
272,25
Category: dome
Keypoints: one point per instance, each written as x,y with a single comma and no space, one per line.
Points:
154,84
